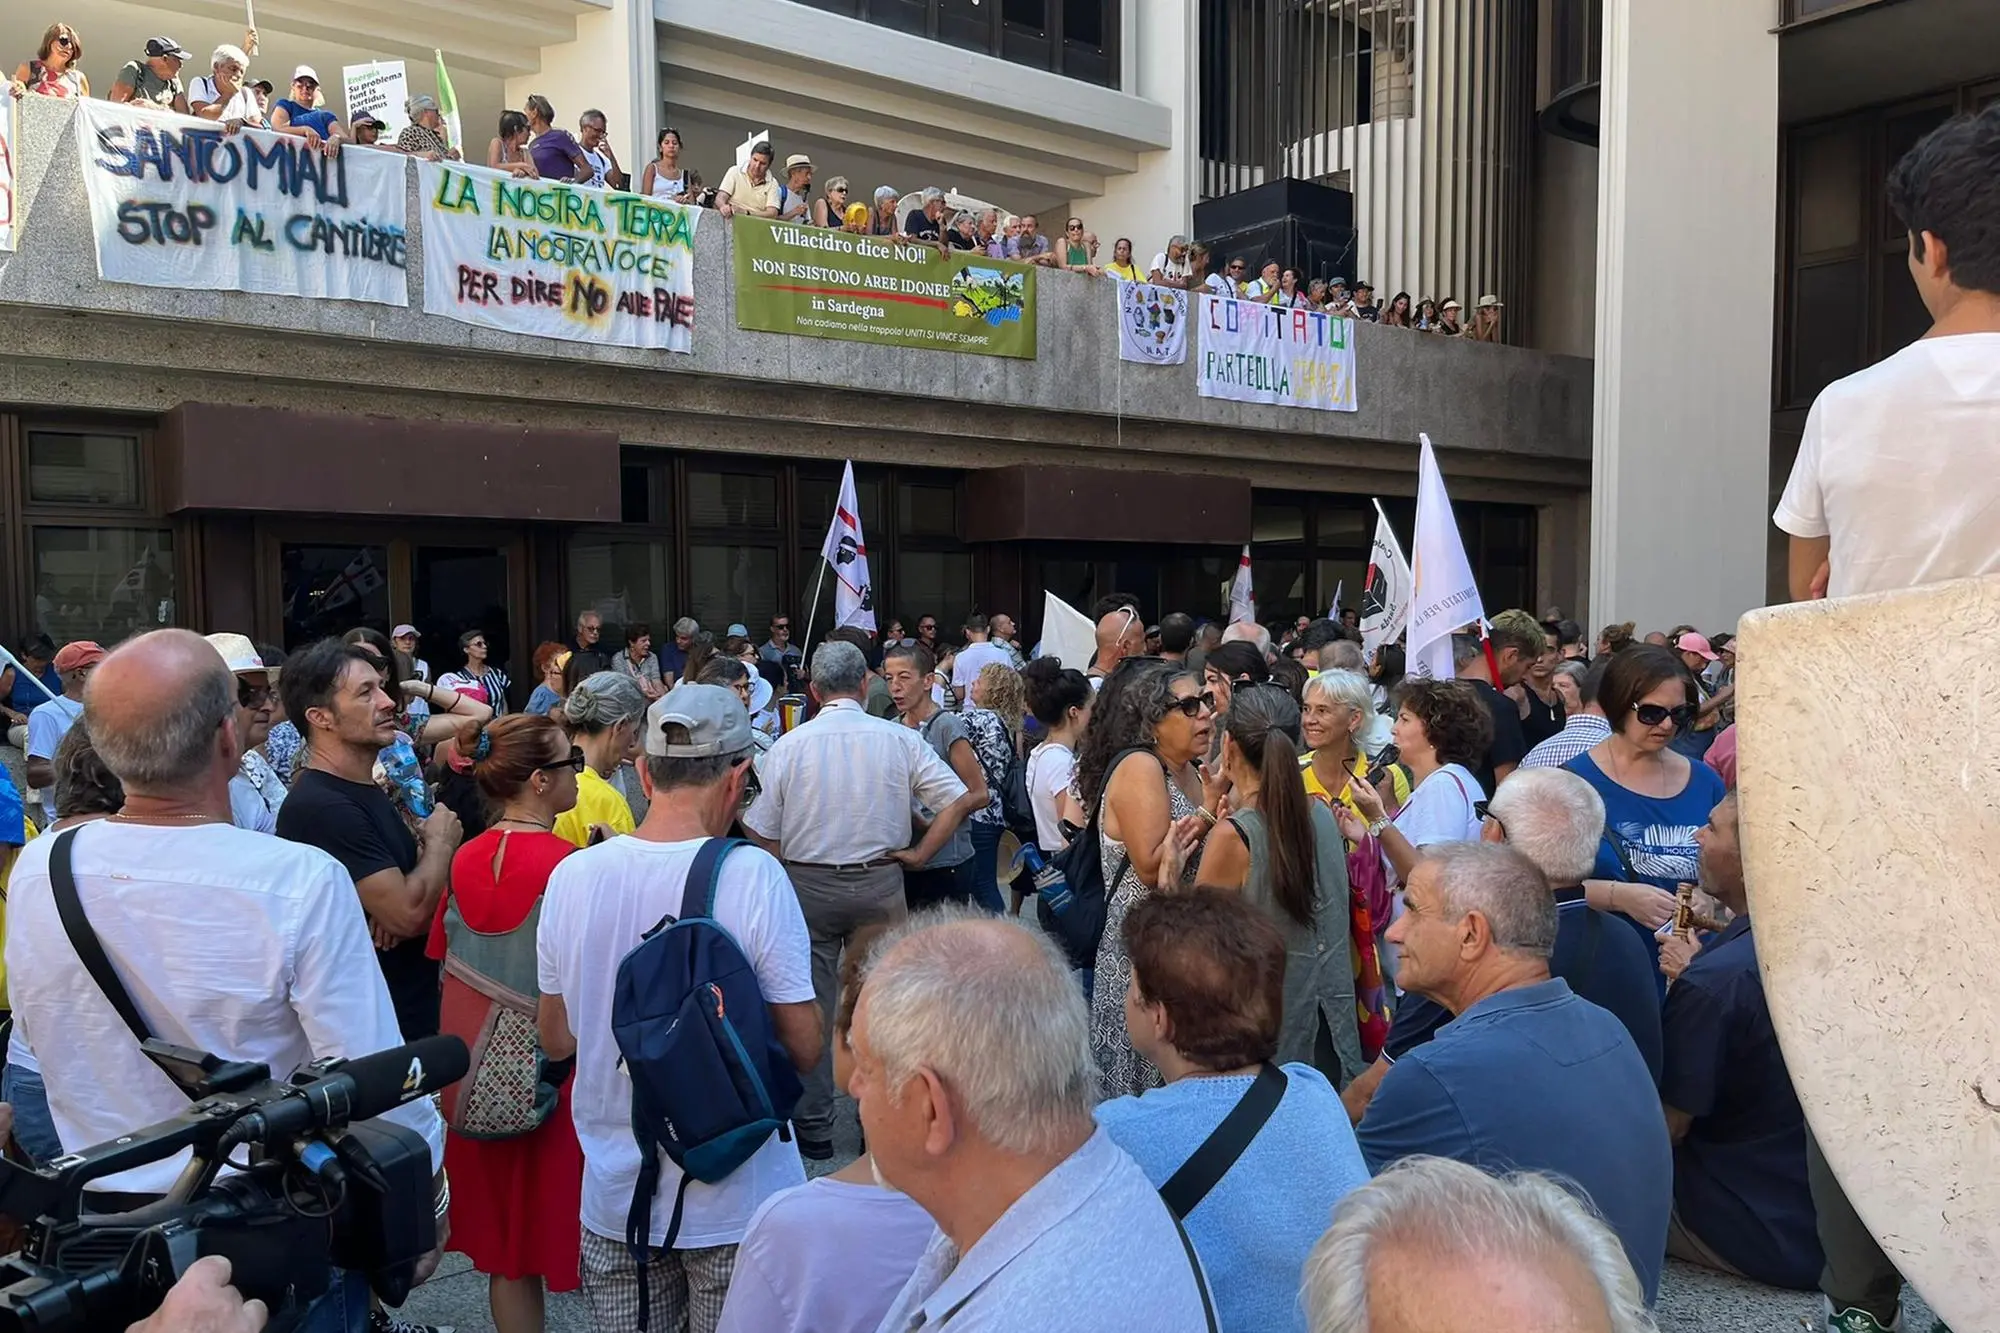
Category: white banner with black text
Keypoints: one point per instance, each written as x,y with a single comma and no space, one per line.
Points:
1257,353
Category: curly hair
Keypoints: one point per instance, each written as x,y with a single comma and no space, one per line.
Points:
84,783
1001,691
1617,638
1454,720
1128,711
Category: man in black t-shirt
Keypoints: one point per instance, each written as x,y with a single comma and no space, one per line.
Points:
334,692
1517,640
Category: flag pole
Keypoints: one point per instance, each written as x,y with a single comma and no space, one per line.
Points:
1492,662
812,608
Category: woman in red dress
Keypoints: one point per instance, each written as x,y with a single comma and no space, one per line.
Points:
515,1201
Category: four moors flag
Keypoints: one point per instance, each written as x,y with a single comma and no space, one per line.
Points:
1242,601
1446,598
847,556
1385,602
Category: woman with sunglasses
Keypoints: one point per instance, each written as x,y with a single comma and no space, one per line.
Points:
302,116
515,1200
53,72
604,714
1136,771
1655,798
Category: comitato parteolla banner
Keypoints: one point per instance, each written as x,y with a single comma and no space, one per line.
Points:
1256,353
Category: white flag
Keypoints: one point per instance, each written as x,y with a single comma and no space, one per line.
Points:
1242,601
1385,602
1067,634
1333,613
1445,598
846,554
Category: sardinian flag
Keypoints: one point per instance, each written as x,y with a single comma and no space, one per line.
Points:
1242,601
846,555
1385,602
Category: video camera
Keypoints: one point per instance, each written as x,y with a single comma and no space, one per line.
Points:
317,1190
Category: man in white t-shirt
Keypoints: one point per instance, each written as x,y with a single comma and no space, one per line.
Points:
49,722
1893,488
599,903
245,946
1894,483
979,653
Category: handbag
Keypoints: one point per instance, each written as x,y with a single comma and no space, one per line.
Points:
1075,919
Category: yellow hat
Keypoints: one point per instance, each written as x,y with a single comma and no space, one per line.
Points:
857,215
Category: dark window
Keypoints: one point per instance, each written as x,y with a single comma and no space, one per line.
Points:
927,511
1829,307
1074,38
732,500
83,468
635,494
329,589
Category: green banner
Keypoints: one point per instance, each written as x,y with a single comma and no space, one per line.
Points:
821,283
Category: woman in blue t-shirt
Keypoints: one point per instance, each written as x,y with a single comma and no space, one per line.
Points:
1654,797
301,116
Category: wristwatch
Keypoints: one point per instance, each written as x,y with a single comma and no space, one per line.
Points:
1375,829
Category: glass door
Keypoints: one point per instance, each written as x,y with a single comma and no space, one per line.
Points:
456,591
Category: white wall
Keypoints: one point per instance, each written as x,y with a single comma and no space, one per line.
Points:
1687,200
613,67
1157,200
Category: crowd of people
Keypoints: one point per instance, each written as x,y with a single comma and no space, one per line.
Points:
1304,868
530,143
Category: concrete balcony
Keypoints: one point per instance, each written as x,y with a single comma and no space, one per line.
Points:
1515,424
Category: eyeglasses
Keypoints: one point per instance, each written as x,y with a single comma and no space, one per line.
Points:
1653,715
253,696
1192,705
574,763
780,626
753,786
66,42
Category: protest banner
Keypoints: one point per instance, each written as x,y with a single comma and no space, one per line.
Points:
175,202
7,136
1152,324
1256,353
381,89
819,283
557,260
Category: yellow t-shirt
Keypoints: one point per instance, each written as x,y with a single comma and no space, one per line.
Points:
1317,789
597,802
1128,272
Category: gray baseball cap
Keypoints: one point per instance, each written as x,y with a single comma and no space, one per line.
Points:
716,720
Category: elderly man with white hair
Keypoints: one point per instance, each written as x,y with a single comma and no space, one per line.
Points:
1527,1075
222,93
972,1067
1250,632
1438,1246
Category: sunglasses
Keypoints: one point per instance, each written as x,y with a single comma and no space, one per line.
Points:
66,42
753,786
254,696
1193,704
574,763
1653,715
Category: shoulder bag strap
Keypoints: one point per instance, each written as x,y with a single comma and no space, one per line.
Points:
62,882
1200,1278
702,877
1218,1152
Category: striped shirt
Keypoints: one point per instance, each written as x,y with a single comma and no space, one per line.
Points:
1580,734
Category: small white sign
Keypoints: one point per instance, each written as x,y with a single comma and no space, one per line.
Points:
380,89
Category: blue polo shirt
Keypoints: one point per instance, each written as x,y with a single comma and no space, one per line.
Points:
1537,1079
1600,959
1740,1173
25,698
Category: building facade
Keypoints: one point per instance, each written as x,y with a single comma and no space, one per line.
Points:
286,466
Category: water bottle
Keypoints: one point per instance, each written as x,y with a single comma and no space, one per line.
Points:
406,776
1048,879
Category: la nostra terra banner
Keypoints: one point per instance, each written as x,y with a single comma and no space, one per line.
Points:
816,282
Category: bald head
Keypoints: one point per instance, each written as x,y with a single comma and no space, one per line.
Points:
1120,634
161,710
988,1006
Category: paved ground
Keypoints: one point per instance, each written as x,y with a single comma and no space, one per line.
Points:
1692,1300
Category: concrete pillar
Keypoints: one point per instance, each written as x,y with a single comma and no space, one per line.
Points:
1687,203
613,66
1158,199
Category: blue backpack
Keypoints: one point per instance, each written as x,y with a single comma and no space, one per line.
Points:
710,1081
